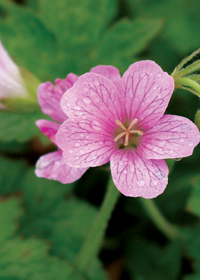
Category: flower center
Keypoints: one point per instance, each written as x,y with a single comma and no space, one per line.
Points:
127,131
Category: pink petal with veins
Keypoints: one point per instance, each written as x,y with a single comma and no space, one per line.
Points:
172,137
110,72
11,82
48,128
49,100
85,143
135,176
148,90
94,97
52,166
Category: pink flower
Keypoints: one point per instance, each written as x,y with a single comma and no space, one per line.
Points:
52,165
11,82
121,120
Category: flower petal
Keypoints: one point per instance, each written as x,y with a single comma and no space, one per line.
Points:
85,143
135,176
94,97
110,72
11,83
52,166
172,137
49,96
148,90
48,128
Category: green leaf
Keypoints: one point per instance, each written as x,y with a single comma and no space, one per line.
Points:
192,248
19,126
28,40
193,203
66,226
11,173
151,261
42,195
179,17
77,22
10,212
125,39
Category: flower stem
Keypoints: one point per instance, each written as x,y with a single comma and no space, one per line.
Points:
91,246
169,230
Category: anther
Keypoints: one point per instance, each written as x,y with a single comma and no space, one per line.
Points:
126,131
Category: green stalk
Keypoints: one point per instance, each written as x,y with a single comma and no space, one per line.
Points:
92,244
184,61
190,69
169,230
180,82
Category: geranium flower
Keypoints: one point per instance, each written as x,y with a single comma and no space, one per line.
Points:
11,82
121,120
52,165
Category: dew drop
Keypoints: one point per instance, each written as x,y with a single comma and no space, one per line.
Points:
43,164
77,108
154,182
190,144
140,183
177,159
71,151
182,140
77,144
96,82
86,100
158,75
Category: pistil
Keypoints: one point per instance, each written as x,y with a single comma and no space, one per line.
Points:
126,131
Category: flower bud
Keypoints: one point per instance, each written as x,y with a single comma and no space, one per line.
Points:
197,119
18,87
186,75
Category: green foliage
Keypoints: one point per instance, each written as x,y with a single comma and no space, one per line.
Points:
150,261
29,258
11,212
19,126
193,203
43,222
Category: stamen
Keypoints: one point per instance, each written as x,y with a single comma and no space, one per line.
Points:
132,123
136,131
120,124
126,139
126,131
119,136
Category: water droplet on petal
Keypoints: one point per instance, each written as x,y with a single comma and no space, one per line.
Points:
190,144
182,140
86,100
96,82
177,159
77,108
154,182
140,183
71,151
77,144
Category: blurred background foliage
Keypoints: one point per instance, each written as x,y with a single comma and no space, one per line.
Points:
43,223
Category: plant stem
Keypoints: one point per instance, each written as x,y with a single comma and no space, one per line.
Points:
92,244
169,230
